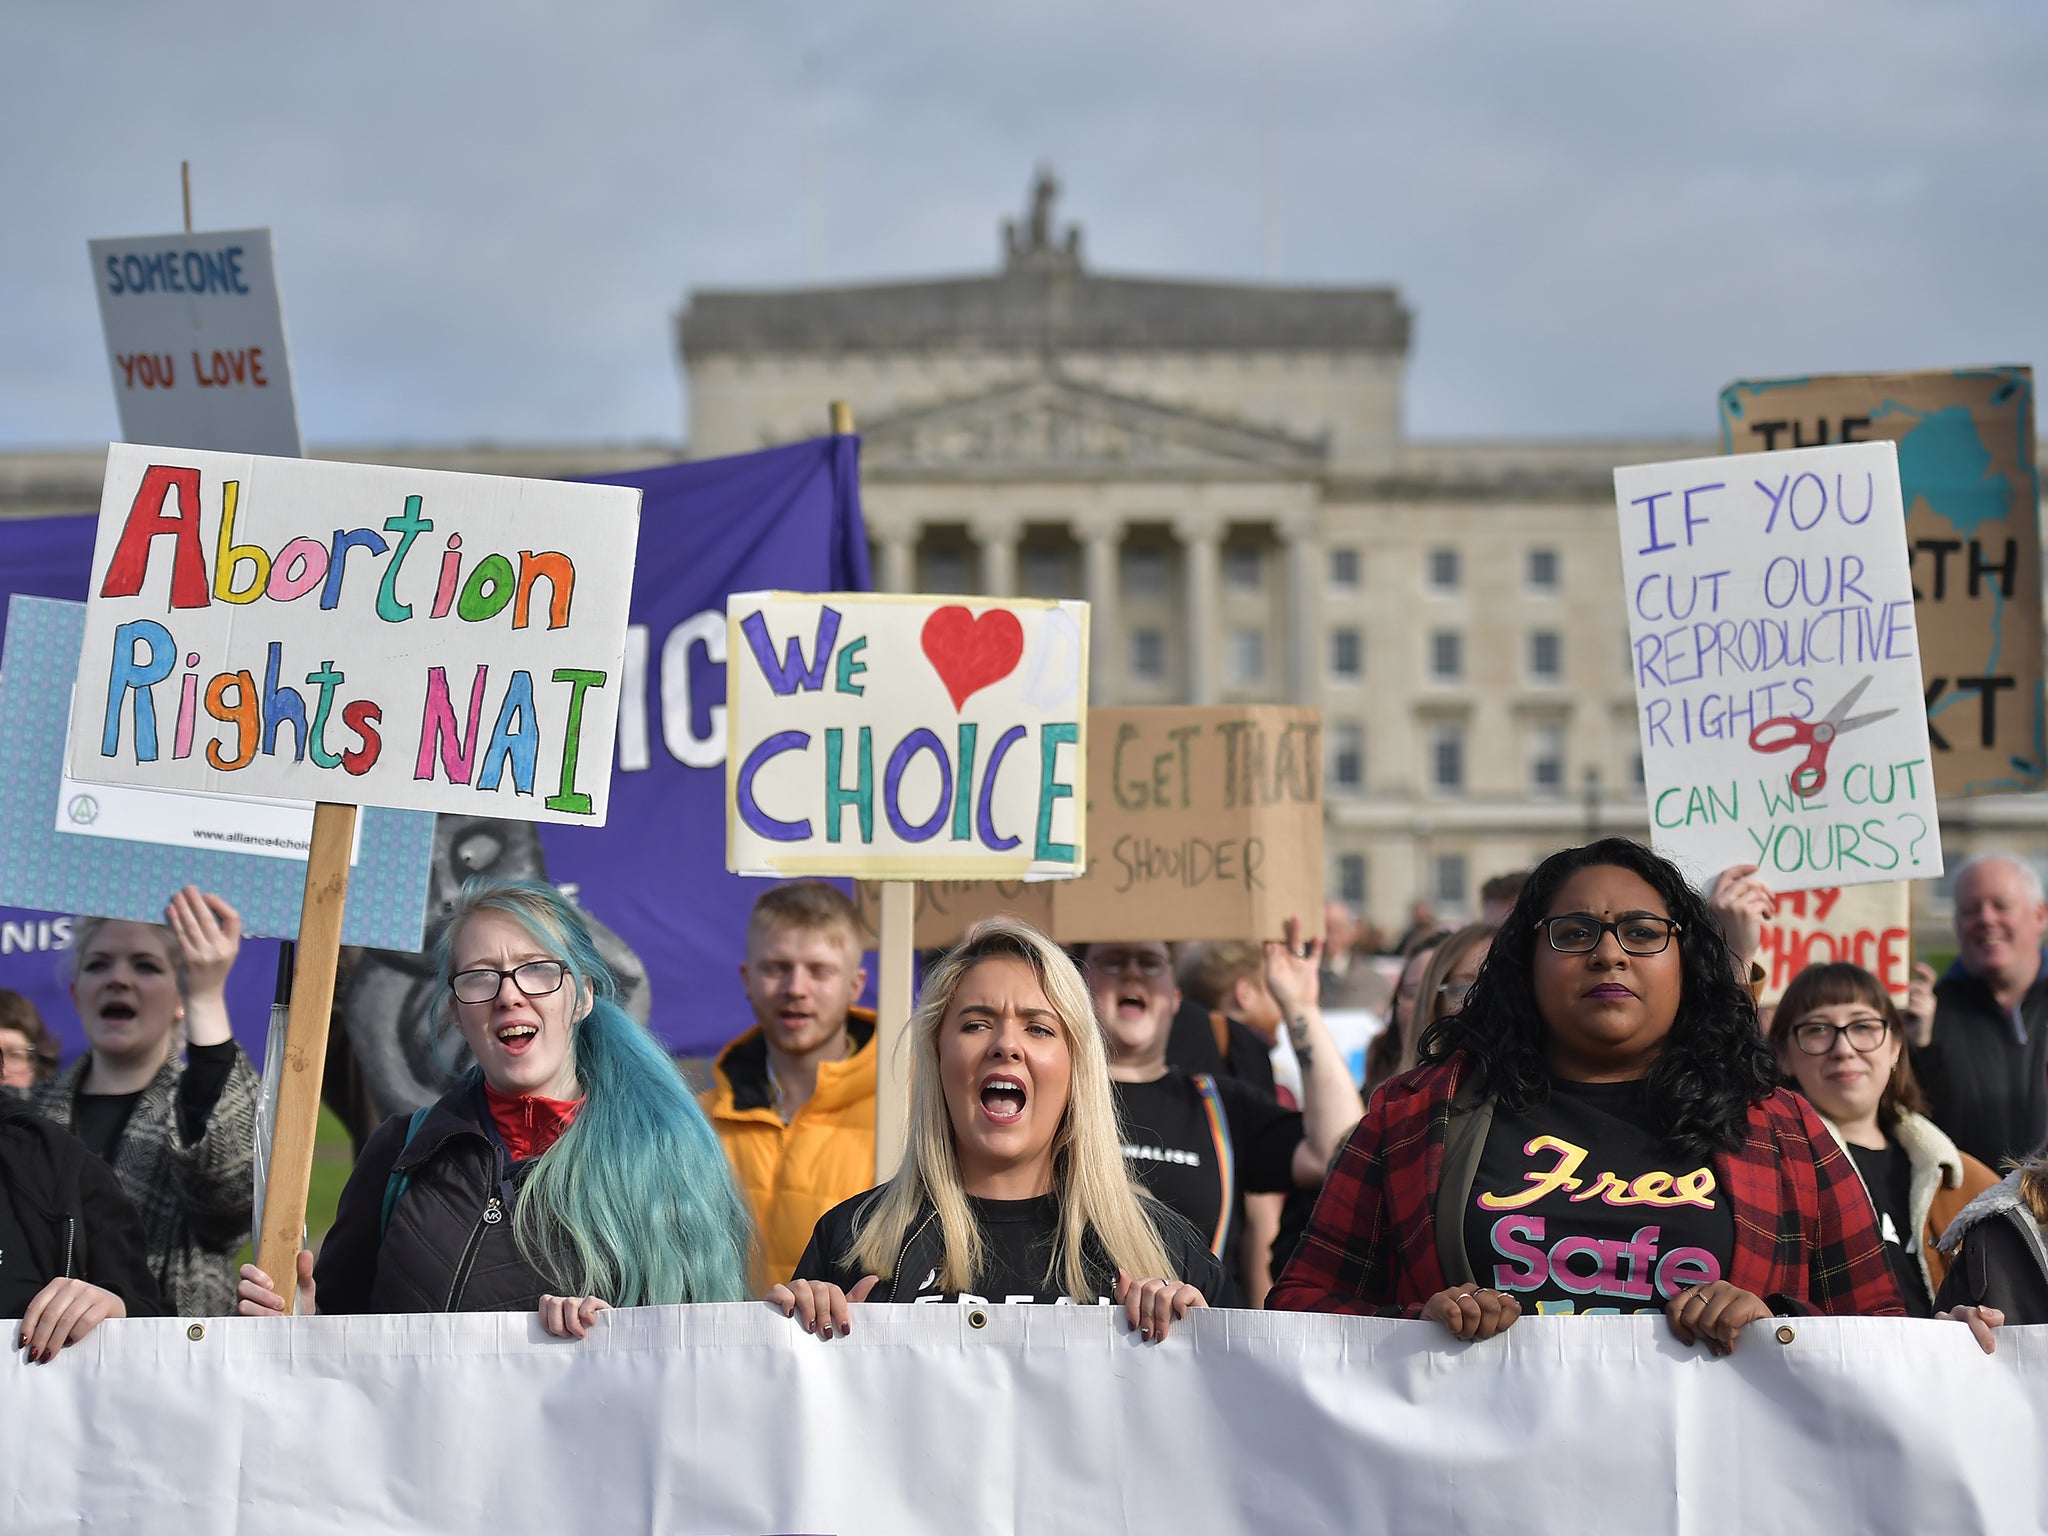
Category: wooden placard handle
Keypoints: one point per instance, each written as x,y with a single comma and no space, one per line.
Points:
305,1047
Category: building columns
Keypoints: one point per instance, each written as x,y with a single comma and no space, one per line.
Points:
1100,545
899,560
997,542
1298,535
1201,540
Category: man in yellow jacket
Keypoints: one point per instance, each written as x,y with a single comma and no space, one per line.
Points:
793,1098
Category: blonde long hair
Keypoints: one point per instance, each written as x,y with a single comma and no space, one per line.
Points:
1095,1192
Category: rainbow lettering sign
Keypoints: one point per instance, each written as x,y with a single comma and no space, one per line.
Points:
905,738
356,633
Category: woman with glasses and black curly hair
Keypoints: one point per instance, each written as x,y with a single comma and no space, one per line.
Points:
1599,1129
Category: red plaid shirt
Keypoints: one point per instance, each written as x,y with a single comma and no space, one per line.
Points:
1806,1238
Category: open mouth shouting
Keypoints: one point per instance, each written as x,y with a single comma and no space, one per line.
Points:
516,1038
1004,1097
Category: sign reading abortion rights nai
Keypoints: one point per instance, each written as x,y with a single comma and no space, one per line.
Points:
1777,666
195,339
905,738
1971,486
356,633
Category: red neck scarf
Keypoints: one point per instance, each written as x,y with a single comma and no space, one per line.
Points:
529,1123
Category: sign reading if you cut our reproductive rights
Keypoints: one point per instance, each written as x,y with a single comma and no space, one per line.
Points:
906,738
1777,666
305,630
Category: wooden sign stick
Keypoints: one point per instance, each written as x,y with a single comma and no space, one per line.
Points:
305,1048
893,949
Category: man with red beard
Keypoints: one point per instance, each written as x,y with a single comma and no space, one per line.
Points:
1979,1036
1201,1142
794,1097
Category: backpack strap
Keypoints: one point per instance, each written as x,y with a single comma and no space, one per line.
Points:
396,1184
1226,1156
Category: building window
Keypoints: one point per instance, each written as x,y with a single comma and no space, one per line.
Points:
1344,570
1546,761
1045,573
1347,655
1543,570
1447,759
1247,656
1243,567
1636,774
1446,655
1546,656
1347,757
1351,888
1443,570
1144,573
1448,877
1148,654
945,570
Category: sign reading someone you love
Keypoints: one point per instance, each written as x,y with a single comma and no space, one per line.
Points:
347,632
1777,666
195,338
905,738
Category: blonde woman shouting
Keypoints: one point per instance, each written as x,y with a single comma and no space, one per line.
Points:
1013,1187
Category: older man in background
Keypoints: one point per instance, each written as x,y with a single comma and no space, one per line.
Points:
1979,1036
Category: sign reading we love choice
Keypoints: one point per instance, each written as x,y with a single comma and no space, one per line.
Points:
354,633
905,738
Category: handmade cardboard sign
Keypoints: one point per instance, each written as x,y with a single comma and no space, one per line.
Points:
1206,823
1971,489
946,909
1777,671
195,339
355,634
1866,925
905,738
120,851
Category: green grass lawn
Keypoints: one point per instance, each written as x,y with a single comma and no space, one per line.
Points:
332,1160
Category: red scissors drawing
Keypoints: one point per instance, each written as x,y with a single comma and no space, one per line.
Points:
1781,733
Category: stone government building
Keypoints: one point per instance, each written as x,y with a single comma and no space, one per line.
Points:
1222,471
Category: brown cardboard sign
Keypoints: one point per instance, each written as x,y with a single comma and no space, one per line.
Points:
1205,823
1866,925
1972,491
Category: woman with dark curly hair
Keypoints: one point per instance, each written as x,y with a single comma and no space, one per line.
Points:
1599,1129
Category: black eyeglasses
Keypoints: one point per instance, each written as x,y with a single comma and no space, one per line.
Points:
536,978
1115,962
1816,1037
1578,933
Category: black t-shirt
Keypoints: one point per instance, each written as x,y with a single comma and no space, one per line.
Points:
1019,1238
19,1281
1176,1149
100,1120
1577,1207
1888,1175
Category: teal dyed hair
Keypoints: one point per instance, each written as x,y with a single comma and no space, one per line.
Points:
638,1184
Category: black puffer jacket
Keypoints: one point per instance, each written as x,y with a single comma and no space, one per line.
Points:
448,1246
1998,1256
73,1214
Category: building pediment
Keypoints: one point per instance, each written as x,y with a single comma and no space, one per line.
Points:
1059,428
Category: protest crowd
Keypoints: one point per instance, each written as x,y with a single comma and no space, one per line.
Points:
1577,1108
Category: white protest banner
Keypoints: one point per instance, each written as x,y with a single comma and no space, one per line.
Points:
731,1421
267,627
1866,925
195,339
905,738
1777,668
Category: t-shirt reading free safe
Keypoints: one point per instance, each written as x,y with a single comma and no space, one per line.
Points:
1577,1207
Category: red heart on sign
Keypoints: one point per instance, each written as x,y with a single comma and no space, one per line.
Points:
970,653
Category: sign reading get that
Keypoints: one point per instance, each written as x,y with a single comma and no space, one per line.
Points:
348,632
905,738
195,339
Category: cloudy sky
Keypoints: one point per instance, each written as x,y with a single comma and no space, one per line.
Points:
485,214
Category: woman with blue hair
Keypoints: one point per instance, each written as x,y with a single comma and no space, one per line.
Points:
569,1172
